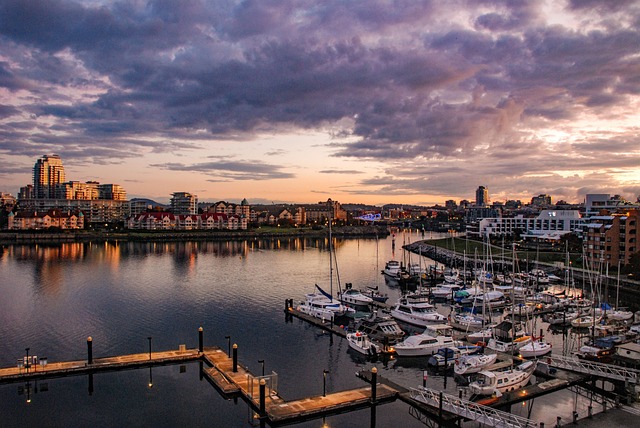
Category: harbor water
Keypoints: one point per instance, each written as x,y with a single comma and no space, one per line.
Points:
129,296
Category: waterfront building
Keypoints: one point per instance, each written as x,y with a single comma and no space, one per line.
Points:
222,207
184,203
46,220
47,173
541,200
597,202
548,225
322,211
611,238
170,221
77,190
482,196
96,211
113,192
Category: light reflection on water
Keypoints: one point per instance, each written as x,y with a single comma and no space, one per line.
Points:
55,296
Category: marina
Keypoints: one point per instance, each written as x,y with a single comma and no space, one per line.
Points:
288,345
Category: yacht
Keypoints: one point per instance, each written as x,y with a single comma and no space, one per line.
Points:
318,305
490,382
354,298
420,313
428,342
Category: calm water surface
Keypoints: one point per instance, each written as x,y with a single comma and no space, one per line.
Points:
54,297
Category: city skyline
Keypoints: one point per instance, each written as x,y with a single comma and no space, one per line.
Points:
361,102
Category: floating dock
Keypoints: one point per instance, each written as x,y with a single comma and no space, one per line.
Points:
229,378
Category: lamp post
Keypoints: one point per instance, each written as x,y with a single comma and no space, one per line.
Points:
149,338
26,364
324,382
262,362
228,345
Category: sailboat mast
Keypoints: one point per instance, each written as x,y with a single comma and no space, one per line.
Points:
330,259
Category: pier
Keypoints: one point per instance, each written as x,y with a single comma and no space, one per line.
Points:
223,370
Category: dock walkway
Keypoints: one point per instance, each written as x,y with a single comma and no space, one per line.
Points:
277,409
65,368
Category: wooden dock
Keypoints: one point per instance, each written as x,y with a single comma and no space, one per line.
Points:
220,372
277,409
121,362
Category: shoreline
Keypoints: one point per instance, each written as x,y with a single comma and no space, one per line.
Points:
39,237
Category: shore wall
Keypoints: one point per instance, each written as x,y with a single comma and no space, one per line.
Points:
9,237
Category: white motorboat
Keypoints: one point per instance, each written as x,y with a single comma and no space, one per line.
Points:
446,290
467,322
354,298
490,382
480,336
318,305
585,321
360,341
619,315
420,314
534,349
428,342
468,364
391,270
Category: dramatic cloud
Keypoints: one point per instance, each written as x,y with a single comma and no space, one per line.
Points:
436,97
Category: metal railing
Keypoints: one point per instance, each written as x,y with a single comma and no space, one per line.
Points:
607,371
470,410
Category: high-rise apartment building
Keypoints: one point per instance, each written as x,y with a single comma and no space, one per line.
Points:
482,196
184,203
47,173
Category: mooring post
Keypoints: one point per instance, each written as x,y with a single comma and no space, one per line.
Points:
200,339
235,358
558,422
604,406
262,398
590,411
89,350
374,384
541,424
575,417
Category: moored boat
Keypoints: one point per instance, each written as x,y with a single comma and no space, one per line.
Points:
468,364
490,382
535,348
360,342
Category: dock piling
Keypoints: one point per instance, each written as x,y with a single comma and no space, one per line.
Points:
200,339
263,412
89,350
374,383
235,358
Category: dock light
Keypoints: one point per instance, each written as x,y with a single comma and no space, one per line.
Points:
324,382
262,362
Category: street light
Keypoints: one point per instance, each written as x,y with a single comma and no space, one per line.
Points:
149,338
262,362
324,382
228,345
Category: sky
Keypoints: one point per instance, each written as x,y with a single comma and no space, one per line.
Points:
360,101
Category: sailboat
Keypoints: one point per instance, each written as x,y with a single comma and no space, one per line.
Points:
321,304
490,382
